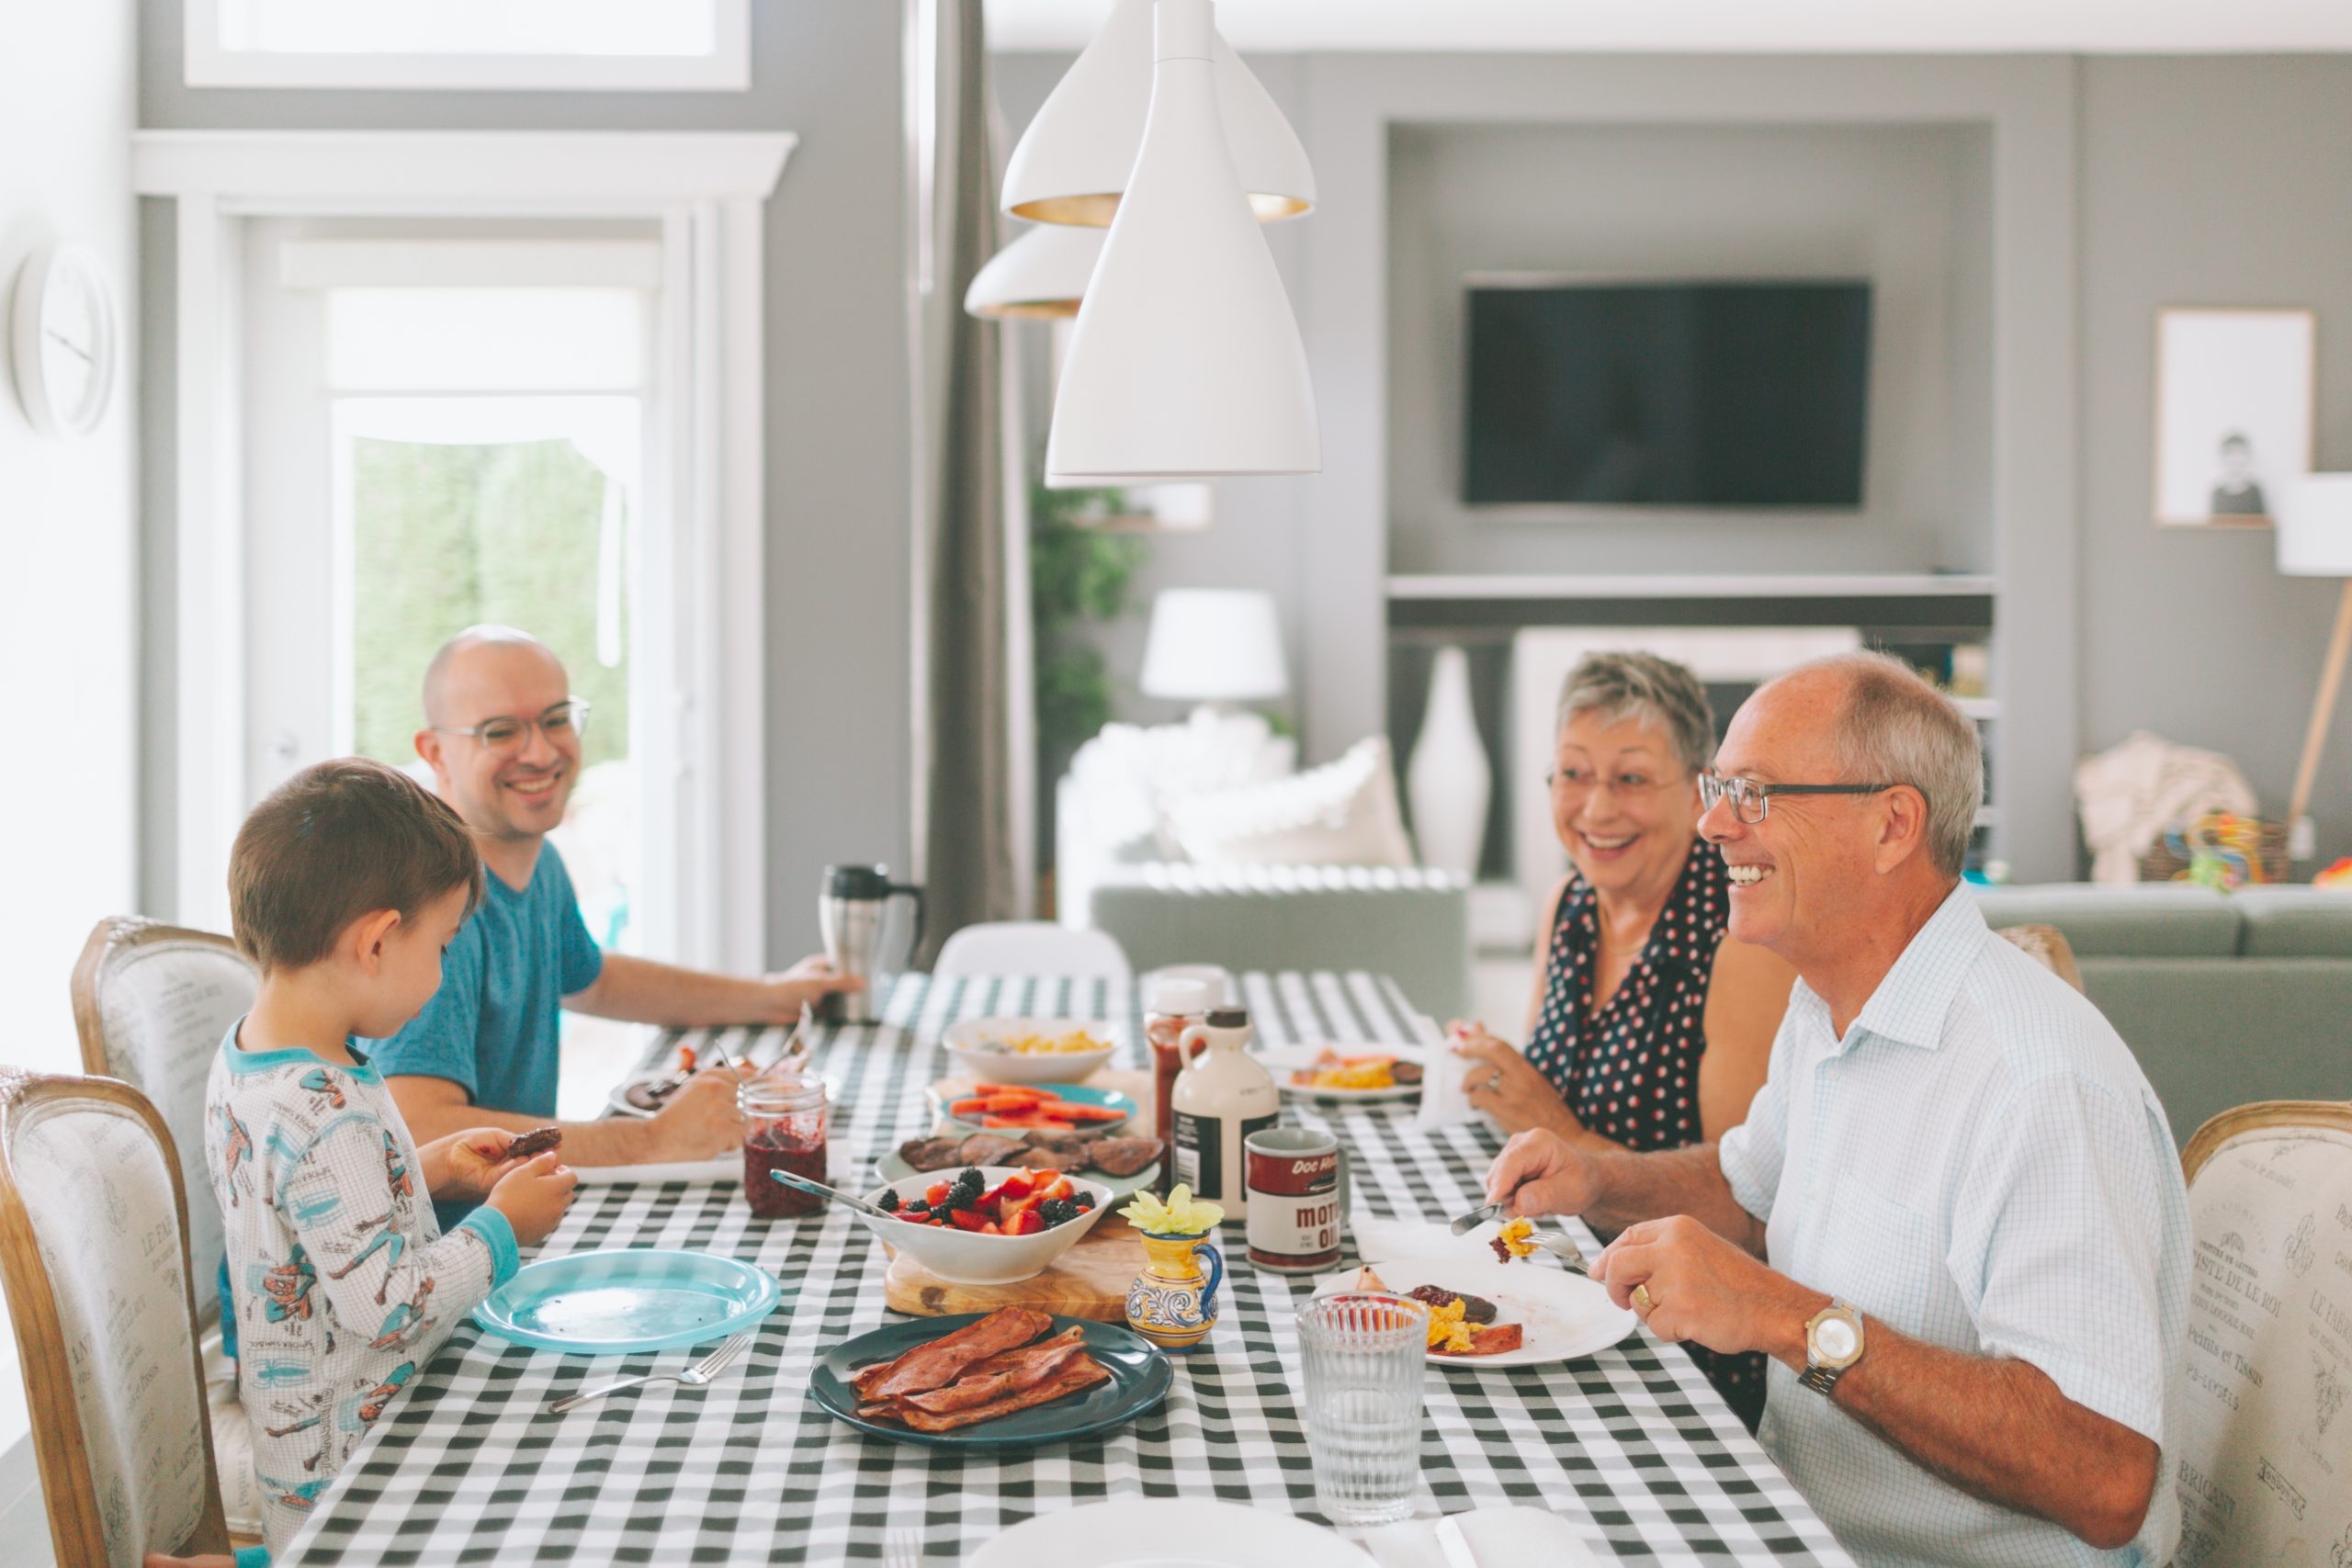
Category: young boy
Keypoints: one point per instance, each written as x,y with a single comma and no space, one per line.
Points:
345,886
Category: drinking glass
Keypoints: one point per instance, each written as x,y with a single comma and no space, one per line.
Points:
1365,1357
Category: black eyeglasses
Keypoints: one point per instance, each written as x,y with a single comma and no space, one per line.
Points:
1752,801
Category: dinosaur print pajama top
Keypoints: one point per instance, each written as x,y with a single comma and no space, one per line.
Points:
342,1284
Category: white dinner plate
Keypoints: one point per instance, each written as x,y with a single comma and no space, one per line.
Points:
1563,1315
1284,1060
1167,1532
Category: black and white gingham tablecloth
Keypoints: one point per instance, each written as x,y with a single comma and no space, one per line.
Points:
1632,1445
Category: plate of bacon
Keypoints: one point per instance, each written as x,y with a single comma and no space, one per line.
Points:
975,1380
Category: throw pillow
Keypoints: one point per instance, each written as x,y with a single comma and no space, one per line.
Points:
1343,813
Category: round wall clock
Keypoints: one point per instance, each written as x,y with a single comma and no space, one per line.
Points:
63,339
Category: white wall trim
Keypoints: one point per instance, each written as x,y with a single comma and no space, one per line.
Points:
728,68
706,191
585,173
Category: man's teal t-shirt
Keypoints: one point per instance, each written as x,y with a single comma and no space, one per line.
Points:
492,1027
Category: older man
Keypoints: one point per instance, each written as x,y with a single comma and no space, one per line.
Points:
1954,1218
503,736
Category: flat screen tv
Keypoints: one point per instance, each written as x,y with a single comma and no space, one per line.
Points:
1683,394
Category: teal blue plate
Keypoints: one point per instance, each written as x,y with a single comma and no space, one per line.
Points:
628,1300
1076,1093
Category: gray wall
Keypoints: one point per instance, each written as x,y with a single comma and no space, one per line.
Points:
1888,204
837,407
2208,182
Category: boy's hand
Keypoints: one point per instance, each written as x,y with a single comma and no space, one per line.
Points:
699,1122
466,1164
534,1195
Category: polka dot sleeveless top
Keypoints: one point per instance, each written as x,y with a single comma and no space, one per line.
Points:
1631,1072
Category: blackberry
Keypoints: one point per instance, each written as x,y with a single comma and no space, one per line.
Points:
1057,1212
916,1205
1084,1200
966,1188
889,1200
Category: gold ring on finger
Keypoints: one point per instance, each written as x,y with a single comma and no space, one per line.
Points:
1642,1301
1494,1081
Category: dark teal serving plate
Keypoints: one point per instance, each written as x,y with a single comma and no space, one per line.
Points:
1140,1375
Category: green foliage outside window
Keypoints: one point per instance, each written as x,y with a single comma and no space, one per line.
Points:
445,537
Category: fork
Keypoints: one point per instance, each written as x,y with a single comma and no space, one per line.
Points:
1558,1243
696,1376
902,1547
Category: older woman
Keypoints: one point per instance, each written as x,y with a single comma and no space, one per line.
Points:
1649,1029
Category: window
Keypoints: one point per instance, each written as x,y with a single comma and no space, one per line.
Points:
570,44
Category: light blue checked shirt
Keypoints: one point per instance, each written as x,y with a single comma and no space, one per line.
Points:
1979,1164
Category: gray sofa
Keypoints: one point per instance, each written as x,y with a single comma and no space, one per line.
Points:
2225,998
1411,924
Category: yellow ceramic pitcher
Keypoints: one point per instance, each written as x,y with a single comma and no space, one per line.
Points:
1173,1303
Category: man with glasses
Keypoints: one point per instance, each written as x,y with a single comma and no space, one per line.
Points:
1954,1218
502,735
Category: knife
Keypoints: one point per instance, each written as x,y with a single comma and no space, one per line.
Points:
1454,1544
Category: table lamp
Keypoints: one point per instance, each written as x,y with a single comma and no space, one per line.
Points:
2313,515
1214,646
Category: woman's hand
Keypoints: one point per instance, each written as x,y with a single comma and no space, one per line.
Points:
465,1164
1507,1087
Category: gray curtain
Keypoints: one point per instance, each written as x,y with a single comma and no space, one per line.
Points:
967,805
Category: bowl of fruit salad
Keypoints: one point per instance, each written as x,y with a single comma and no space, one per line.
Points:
988,1224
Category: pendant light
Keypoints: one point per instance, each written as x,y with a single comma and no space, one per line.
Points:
1042,273
1185,361
1073,162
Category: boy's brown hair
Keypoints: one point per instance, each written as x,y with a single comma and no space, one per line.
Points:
338,840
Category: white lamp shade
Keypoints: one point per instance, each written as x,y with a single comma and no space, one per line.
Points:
2312,515
1185,361
1042,272
1073,162
1215,645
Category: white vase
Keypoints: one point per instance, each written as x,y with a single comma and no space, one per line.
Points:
1448,780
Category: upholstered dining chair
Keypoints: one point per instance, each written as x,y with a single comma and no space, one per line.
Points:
2048,946
2264,1431
151,1003
94,1256
1033,947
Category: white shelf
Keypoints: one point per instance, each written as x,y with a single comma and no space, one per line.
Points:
1809,585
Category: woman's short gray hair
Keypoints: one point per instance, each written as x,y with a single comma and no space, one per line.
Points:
1648,689
1897,728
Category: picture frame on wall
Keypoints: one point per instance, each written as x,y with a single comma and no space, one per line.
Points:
2233,412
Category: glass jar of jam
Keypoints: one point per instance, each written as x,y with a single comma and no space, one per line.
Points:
1172,1004
784,1123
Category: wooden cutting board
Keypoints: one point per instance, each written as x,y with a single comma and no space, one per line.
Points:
1089,1280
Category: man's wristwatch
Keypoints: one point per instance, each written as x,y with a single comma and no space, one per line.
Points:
1833,1342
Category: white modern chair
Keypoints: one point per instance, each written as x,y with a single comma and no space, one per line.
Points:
2262,1398
1033,947
151,1003
106,1327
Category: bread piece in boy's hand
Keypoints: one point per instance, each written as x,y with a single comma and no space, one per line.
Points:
538,1141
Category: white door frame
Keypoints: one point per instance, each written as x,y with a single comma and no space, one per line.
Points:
706,191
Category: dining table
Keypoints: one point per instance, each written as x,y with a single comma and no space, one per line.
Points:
1631,1445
